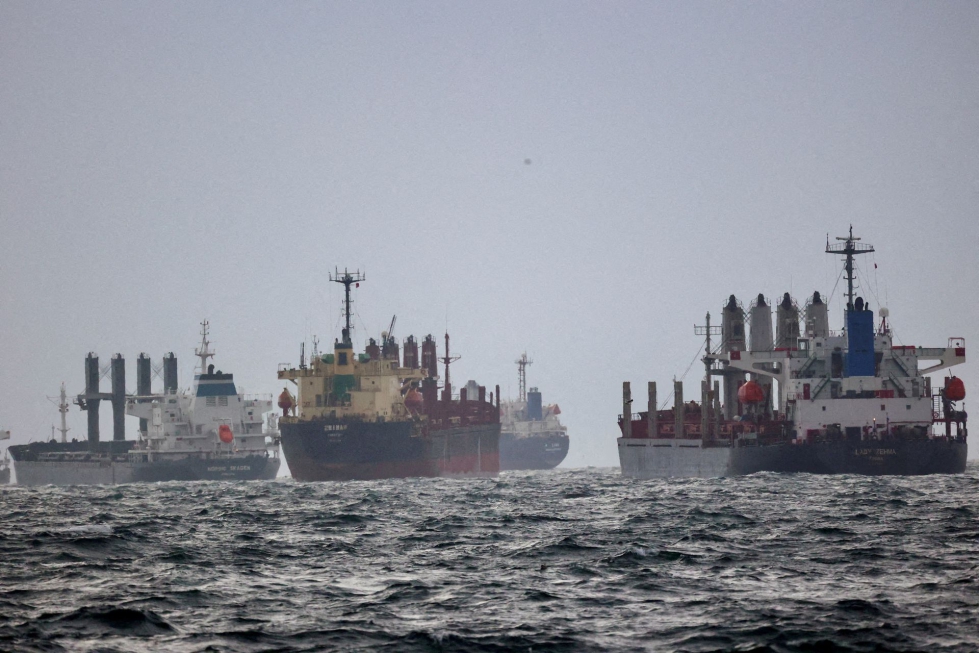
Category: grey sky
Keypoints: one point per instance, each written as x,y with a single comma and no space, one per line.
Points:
165,162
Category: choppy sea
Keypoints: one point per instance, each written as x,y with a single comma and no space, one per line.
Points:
566,560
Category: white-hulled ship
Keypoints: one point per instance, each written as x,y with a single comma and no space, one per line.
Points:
845,402
210,433
531,435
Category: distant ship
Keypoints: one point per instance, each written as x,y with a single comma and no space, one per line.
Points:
531,435
211,433
370,416
850,402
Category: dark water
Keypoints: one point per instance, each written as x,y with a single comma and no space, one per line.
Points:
579,560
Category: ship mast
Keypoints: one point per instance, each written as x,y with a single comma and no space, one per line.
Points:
204,351
347,279
707,331
447,360
63,409
848,248
522,364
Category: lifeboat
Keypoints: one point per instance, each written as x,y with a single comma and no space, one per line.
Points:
751,393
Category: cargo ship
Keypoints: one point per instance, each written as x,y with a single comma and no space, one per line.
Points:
371,415
531,435
809,400
210,433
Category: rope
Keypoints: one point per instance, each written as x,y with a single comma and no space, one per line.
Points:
670,396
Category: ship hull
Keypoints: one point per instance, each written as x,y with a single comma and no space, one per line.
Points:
321,450
652,458
73,464
538,451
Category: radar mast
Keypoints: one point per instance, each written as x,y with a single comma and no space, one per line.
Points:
848,248
204,351
522,364
347,279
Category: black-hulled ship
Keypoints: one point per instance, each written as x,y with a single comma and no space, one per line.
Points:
531,434
850,402
368,415
210,433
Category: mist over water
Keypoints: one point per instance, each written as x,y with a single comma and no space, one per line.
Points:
563,560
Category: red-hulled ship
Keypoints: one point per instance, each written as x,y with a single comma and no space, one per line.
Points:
371,415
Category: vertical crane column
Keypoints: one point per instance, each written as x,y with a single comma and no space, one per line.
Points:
90,401
626,409
678,409
169,374
652,423
143,378
118,397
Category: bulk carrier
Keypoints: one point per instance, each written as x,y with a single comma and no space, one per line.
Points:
845,402
371,416
531,435
210,433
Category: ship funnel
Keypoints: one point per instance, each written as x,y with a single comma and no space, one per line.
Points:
817,317
535,406
787,323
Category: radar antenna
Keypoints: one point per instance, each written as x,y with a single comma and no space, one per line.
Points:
522,364
204,351
347,279
848,248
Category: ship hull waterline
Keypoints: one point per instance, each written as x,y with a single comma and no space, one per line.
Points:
670,458
112,467
530,452
319,450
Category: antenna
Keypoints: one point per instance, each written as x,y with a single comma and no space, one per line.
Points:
347,279
522,364
204,351
316,348
848,248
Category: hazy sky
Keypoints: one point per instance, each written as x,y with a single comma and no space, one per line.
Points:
163,162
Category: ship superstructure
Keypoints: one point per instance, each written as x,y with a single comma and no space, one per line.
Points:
209,433
807,399
531,434
368,415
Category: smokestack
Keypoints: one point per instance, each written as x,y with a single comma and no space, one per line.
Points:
118,397
91,396
143,377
